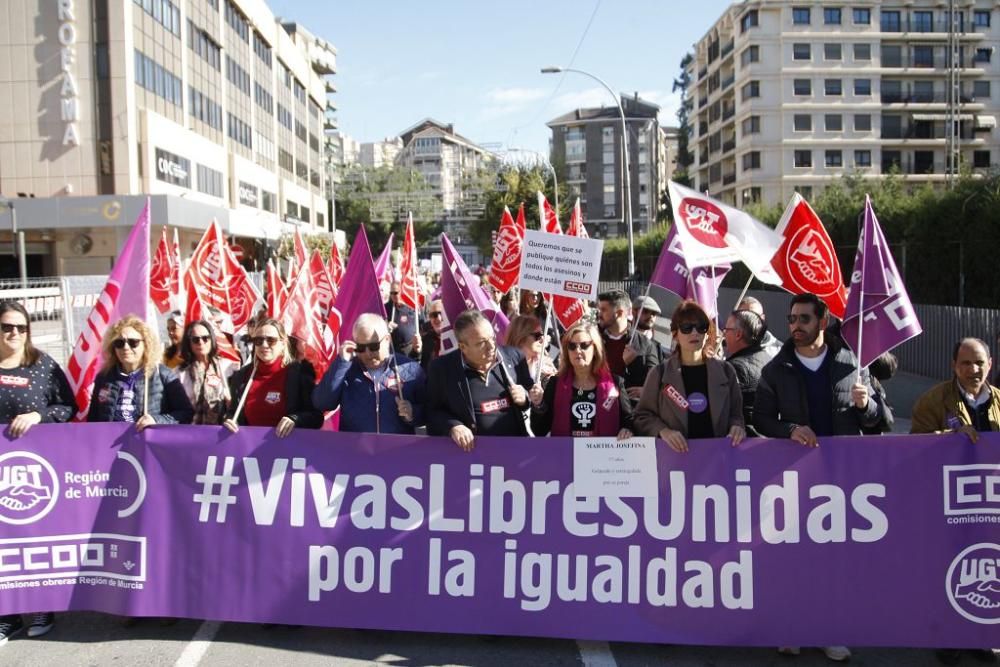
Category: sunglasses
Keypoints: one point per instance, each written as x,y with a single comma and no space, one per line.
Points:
7,328
434,314
369,347
804,318
689,327
584,345
197,340
131,342
270,341
393,293
537,335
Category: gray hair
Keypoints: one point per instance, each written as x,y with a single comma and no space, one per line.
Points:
751,325
372,322
752,304
468,320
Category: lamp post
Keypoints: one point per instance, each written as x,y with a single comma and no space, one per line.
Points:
17,240
627,208
548,165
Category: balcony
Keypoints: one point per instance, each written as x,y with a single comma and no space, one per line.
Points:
913,25
727,49
729,145
729,112
703,102
910,97
728,81
702,73
702,129
729,179
939,61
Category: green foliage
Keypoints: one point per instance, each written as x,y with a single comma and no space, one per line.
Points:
321,242
380,199
517,184
684,156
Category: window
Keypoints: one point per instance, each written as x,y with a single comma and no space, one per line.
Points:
800,15
163,12
751,125
292,210
751,160
831,15
862,122
749,20
802,159
891,21
891,160
751,195
239,131
802,87
801,52
922,22
802,122
862,159
203,108
267,201
892,91
981,159
285,160
923,91
750,54
892,56
832,87
210,181
982,55
157,79
892,126
262,49
981,18
300,92
805,190
204,46
832,52
981,89
862,51
751,89
833,159
238,22
833,122
863,87
923,56
284,117
862,16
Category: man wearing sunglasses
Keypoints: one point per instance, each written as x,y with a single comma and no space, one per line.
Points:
630,357
478,389
430,348
377,391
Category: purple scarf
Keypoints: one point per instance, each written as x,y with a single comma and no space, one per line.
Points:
608,420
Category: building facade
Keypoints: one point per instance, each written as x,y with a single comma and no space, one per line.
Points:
212,102
588,142
791,95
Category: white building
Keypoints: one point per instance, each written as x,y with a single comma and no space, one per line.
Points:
214,107
790,95
375,154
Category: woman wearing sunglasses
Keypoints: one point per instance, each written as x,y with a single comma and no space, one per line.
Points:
33,390
204,374
132,354
525,333
278,388
584,399
691,394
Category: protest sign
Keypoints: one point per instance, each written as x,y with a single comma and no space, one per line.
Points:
561,264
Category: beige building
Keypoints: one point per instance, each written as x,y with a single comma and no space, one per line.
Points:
213,107
789,95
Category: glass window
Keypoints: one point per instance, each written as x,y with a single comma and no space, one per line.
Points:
751,89
801,52
863,87
800,15
802,86
981,89
802,159
805,190
981,18
833,159
981,159
751,160
802,122
862,158
749,20
862,51
923,56
831,15
832,52
892,56
834,122
751,54
983,55
922,22
832,87
892,91
891,21
862,16
751,125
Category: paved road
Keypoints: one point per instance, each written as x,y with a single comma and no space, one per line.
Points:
98,639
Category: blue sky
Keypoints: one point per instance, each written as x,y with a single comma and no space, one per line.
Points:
476,64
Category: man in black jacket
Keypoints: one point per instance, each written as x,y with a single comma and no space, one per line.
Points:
478,389
630,357
743,333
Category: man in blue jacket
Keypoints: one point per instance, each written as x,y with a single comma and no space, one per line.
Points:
377,390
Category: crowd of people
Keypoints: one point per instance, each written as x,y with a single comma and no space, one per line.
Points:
609,378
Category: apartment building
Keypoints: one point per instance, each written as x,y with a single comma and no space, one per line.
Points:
214,108
791,95
588,142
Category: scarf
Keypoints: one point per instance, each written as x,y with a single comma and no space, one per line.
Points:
608,420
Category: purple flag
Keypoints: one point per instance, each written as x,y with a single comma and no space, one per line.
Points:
359,291
460,291
877,295
700,284
382,266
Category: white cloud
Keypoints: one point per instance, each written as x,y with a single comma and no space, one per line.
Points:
515,97
581,99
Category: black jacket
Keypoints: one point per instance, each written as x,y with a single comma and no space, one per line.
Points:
449,401
781,404
647,359
298,391
748,364
168,402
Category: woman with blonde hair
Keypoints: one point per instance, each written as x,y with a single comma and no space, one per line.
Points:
584,399
525,333
274,389
133,386
691,394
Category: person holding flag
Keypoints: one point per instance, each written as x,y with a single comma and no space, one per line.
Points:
629,356
378,391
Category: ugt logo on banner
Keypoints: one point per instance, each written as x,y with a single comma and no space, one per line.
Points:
974,583
29,487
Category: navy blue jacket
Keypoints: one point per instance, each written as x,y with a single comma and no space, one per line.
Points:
346,385
168,402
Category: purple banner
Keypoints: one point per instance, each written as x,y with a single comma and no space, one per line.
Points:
889,540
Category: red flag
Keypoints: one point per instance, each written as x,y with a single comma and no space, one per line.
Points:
505,269
335,265
276,294
569,310
301,251
222,283
548,217
807,260
409,289
301,319
324,291
175,274
576,226
159,275
221,325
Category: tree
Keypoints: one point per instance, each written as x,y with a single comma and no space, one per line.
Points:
512,186
684,157
381,198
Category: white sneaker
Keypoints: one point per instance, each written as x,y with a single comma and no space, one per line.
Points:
837,653
789,650
41,623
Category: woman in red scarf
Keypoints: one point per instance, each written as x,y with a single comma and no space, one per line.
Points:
583,399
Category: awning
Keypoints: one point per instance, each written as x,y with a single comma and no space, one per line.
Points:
939,116
986,121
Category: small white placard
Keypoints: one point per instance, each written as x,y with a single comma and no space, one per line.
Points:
560,264
610,467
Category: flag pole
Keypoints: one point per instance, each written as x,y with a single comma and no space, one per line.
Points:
246,391
742,294
861,286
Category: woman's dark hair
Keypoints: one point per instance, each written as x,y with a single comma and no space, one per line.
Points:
187,352
31,353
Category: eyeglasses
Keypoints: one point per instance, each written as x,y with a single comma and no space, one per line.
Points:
198,340
369,347
261,341
132,343
689,327
537,335
434,314
482,344
8,327
804,318
583,345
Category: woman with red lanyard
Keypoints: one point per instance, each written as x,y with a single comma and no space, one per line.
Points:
584,399
278,389
204,374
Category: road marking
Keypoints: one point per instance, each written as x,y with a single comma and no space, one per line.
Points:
596,654
199,644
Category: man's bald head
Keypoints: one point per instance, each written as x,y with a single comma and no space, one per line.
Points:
974,343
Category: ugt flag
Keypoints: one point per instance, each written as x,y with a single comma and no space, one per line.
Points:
807,260
878,299
505,269
125,293
715,233
160,275
700,284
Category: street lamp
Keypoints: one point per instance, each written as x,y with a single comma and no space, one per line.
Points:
548,165
627,208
